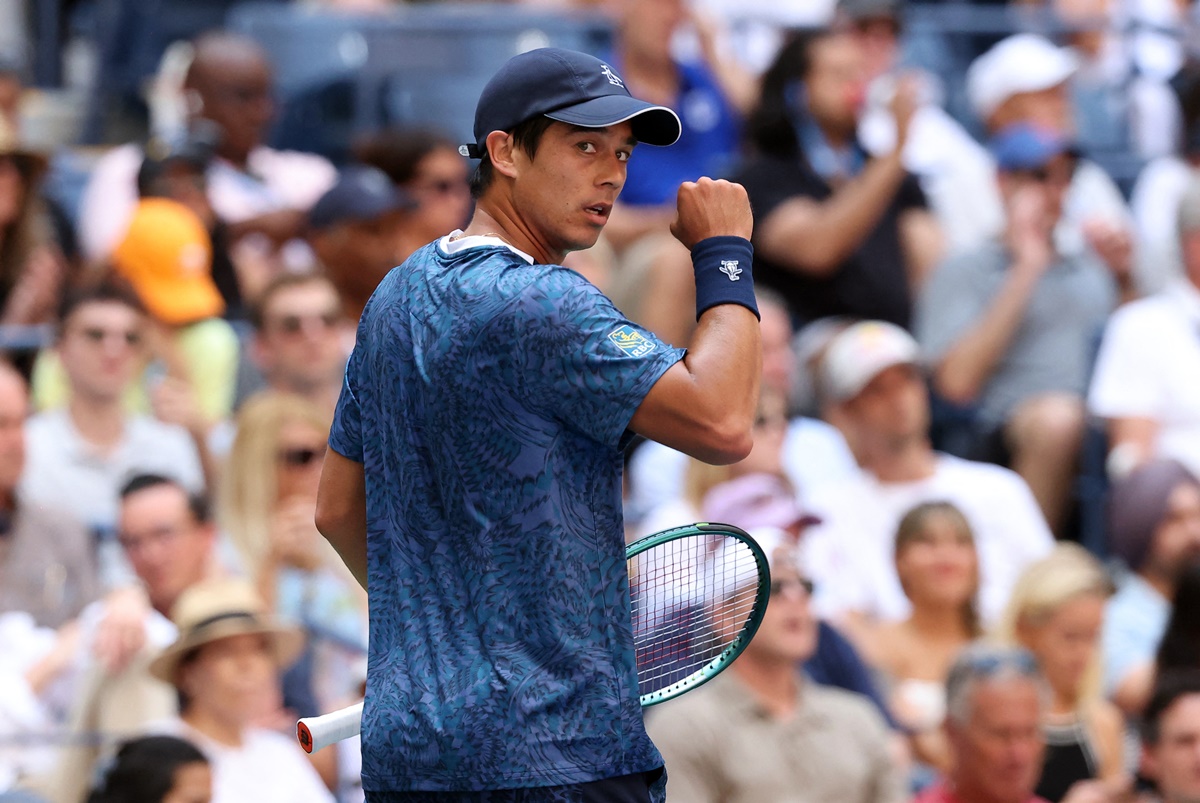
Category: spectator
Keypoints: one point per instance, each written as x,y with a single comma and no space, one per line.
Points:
358,230
225,667
1171,738
1161,185
765,501
1179,647
1024,79
427,167
79,455
32,269
939,150
46,564
1154,526
169,540
877,396
301,338
166,256
993,725
836,233
1055,612
1008,327
813,452
156,769
761,730
268,502
938,568
264,194
1146,385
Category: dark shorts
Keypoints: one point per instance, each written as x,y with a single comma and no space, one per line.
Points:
642,787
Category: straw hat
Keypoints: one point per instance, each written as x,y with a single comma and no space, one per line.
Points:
217,609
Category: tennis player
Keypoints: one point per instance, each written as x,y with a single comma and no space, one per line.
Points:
474,480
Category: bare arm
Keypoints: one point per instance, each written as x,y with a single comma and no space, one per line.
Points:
704,404
923,244
342,511
814,237
961,374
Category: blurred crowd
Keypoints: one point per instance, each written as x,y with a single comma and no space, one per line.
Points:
976,454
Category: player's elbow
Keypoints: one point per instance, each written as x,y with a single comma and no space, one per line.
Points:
332,518
726,442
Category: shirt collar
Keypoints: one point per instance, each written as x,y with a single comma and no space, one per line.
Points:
455,242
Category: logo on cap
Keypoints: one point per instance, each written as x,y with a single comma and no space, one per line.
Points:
612,77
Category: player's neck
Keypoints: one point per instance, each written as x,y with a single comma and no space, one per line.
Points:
492,219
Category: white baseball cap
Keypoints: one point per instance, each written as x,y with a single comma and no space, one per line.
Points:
860,352
1022,63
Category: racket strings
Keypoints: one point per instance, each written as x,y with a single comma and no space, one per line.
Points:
692,599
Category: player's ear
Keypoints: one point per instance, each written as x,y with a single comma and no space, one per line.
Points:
502,150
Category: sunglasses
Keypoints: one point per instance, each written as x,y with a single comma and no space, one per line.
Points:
780,586
294,324
298,458
98,336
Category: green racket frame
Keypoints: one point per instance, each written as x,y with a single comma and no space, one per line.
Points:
749,627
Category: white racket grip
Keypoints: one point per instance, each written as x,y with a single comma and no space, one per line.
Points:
315,733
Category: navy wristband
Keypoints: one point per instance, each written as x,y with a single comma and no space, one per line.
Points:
723,273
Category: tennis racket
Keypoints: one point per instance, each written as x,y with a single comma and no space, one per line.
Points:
698,594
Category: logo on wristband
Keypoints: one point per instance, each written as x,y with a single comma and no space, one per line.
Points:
730,268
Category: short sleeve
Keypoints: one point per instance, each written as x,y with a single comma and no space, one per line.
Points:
345,435
1127,381
952,299
577,360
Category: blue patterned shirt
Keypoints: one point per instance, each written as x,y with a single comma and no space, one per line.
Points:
488,399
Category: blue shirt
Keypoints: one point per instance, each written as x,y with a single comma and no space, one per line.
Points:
1134,622
708,142
488,399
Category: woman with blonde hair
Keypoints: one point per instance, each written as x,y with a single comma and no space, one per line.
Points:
266,505
1056,611
938,567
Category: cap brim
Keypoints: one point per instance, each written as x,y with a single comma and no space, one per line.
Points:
653,125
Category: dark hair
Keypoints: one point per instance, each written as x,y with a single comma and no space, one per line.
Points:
197,503
1180,645
144,770
769,127
1169,687
284,281
108,291
527,136
398,151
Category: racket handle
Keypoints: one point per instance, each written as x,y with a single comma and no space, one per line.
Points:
316,733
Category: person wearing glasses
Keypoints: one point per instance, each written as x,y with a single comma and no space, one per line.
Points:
80,450
301,338
266,506
763,731
1007,328
167,537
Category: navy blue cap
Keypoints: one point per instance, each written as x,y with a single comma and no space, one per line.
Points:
360,193
570,87
1022,146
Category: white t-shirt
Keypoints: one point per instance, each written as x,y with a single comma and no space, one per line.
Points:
1155,204
1149,367
275,180
268,767
850,555
64,471
814,452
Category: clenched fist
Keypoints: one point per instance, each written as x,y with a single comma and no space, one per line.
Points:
711,208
